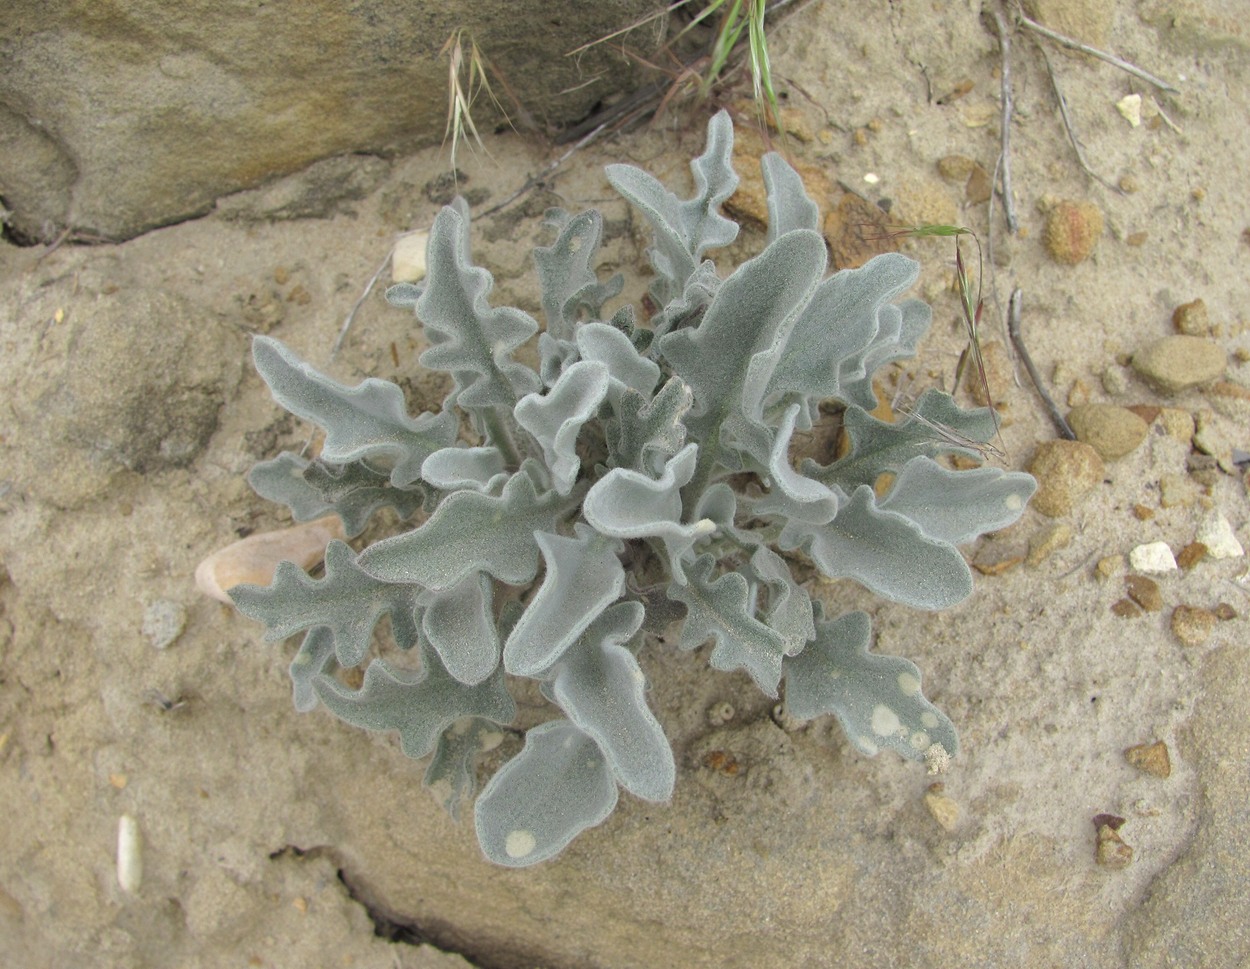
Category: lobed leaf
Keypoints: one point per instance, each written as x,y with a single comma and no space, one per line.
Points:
877,699
556,418
348,602
566,272
459,625
957,506
369,420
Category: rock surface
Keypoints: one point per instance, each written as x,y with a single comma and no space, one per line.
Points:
115,118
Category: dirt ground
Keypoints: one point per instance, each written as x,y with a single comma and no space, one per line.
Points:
271,839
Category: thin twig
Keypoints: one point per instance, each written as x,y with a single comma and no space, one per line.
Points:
351,314
543,175
1017,340
1102,55
1004,159
1067,125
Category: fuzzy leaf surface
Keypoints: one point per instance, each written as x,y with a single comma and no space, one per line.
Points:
601,688
936,425
420,705
312,490
720,609
559,785
451,776
789,208
315,658
877,699
348,601
883,551
957,506
459,624
469,339
457,468
556,418
470,532
685,230
369,420
566,272
645,434
584,576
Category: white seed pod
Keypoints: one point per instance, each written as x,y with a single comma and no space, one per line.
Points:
129,854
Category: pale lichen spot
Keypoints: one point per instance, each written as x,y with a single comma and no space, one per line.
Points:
919,740
929,719
867,745
833,672
1014,502
519,844
909,683
885,722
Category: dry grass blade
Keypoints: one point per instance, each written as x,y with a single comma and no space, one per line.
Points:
467,71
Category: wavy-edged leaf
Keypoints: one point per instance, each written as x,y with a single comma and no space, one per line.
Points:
418,704
627,368
556,418
566,272
451,777
315,658
584,577
899,330
827,344
457,468
459,623
645,434
936,425
721,609
470,532
876,699
789,208
807,498
601,688
728,359
313,490
559,785
685,230
883,551
957,506
789,609
348,601
468,338
629,504
369,420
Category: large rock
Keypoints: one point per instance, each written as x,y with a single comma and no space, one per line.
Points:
118,117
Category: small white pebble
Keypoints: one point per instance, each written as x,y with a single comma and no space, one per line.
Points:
1219,538
1153,557
129,855
719,714
872,178
1130,107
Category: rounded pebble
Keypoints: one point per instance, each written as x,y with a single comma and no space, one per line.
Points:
1110,430
1066,471
1152,759
408,257
1192,319
1193,625
1072,231
1177,363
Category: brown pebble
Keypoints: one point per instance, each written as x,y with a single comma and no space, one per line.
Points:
1110,430
1066,472
956,168
299,295
1176,363
979,186
1126,609
1192,625
1143,513
1136,239
1152,759
1043,545
1112,850
1192,319
943,808
1224,612
280,276
991,560
1191,555
1072,231
1109,567
1145,592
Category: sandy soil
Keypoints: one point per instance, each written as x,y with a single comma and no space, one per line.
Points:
132,415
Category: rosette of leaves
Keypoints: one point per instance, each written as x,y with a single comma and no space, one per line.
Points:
641,474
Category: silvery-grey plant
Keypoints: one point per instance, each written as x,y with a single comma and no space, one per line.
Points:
642,473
